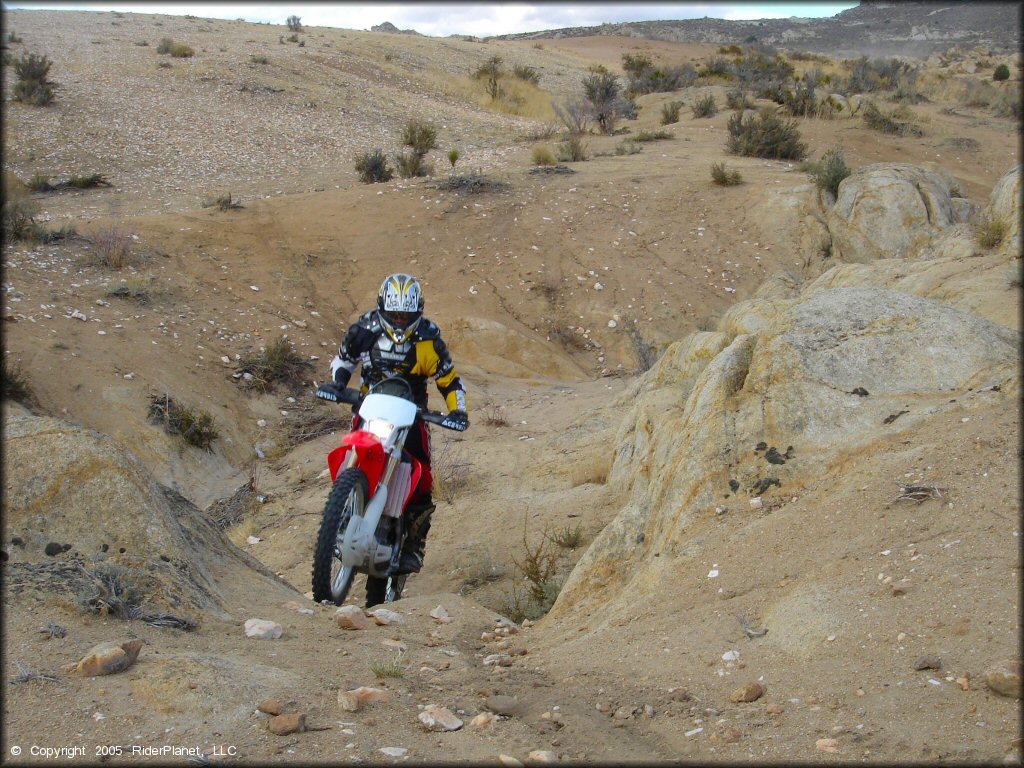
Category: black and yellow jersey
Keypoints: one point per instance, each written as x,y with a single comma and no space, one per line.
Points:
423,356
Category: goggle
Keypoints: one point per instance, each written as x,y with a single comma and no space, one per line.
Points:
401,319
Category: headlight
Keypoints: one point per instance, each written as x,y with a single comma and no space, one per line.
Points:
380,428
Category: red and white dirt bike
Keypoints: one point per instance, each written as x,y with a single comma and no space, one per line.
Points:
364,522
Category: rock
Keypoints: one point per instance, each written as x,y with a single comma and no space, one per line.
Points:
649,711
263,629
903,587
440,615
393,751
749,692
484,718
498,660
1005,678
509,761
395,645
827,745
964,681
384,616
357,698
731,735
351,617
502,705
435,718
624,713
106,659
887,210
775,709
542,756
282,725
928,662
271,706
295,605
680,694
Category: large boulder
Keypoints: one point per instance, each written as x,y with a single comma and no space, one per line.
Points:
1005,205
891,210
797,381
73,496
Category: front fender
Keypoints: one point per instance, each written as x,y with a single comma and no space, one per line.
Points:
370,457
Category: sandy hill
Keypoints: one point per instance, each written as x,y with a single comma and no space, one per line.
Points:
760,442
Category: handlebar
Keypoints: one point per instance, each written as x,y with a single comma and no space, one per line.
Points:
335,394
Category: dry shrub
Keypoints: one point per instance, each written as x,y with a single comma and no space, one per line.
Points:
628,147
723,176
112,246
451,474
573,150
32,86
373,167
653,135
13,383
670,112
990,232
419,136
278,363
705,106
542,155
181,51
411,164
828,173
568,537
195,426
222,203
494,415
899,122
766,135
591,471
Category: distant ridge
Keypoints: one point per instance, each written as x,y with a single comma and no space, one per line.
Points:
873,28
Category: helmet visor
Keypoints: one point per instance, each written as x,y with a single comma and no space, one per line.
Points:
401,320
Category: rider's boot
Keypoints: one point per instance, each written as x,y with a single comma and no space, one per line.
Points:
413,548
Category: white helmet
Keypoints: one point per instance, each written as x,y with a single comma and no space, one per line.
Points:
400,306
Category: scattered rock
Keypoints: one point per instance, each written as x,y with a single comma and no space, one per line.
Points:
383,617
775,709
356,699
393,751
679,694
271,707
731,735
53,548
263,629
542,756
859,391
928,662
498,660
440,615
282,725
749,692
435,718
964,681
484,718
106,659
756,503
624,713
509,760
827,745
502,705
351,617
1005,678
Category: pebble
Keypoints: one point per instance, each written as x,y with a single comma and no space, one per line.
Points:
756,503
393,751
484,718
435,718
775,709
357,698
749,692
498,660
263,629
271,707
902,587
282,725
106,659
930,661
440,615
351,617
502,705
1005,678
509,760
384,616
827,745
542,756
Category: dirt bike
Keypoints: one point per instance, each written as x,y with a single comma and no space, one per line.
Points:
364,522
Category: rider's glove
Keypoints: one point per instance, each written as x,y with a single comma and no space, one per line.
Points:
457,420
328,391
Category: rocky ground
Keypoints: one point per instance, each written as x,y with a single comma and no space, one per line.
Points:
887,618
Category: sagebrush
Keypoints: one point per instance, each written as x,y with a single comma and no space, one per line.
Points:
766,135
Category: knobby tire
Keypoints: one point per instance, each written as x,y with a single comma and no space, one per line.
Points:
350,483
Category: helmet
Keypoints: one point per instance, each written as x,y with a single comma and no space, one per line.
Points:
400,306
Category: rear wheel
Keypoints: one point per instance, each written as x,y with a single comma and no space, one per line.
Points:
331,579
385,590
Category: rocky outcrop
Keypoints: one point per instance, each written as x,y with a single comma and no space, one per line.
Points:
891,210
792,376
78,490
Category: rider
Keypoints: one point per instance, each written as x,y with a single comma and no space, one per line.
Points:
396,340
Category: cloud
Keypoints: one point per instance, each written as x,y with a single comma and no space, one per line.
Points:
478,19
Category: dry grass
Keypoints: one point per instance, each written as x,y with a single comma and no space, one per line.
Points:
569,537
195,426
277,364
543,155
451,474
112,246
494,415
990,232
592,469
393,667
724,177
222,203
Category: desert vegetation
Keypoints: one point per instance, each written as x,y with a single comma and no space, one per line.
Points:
33,85
373,167
724,177
828,172
194,425
765,134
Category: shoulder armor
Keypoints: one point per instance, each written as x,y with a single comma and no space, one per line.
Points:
427,331
370,321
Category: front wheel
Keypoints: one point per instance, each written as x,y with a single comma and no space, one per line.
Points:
331,579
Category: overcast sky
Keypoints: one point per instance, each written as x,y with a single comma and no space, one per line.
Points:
479,19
